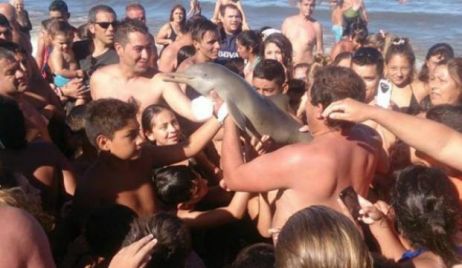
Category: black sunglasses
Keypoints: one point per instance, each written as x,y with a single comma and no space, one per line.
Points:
105,25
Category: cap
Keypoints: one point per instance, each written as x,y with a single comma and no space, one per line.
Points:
58,5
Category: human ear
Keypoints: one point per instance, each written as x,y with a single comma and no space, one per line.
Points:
103,143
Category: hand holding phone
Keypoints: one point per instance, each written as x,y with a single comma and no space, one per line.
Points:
383,96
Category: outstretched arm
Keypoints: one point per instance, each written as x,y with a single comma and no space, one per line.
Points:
434,139
234,211
166,155
267,172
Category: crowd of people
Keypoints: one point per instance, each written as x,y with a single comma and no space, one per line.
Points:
105,162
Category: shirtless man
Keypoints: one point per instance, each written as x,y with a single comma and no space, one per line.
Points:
206,42
168,57
135,11
309,174
304,33
133,78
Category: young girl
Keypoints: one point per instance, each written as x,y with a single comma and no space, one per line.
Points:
407,92
161,127
61,61
248,47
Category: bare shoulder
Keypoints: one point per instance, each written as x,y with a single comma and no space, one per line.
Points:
106,71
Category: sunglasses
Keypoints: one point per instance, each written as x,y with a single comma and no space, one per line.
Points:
105,25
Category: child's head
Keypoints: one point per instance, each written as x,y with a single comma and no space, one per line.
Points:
60,34
173,239
179,186
111,126
257,255
160,125
269,77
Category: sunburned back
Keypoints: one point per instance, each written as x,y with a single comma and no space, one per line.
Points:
333,162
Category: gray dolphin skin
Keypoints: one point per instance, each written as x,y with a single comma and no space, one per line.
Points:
255,114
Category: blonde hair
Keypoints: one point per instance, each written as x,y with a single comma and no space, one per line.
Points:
16,197
318,237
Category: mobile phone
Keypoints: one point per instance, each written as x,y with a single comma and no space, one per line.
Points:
350,199
383,96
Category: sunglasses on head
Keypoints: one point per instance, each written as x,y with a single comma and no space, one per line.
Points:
105,25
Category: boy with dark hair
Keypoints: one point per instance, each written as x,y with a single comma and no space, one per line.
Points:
179,188
269,77
121,173
367,62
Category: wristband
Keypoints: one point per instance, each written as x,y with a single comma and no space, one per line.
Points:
222,113
202,108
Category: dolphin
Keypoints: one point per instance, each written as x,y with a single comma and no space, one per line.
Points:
253,113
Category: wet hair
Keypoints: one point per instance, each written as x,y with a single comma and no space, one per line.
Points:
174,185
427,209
283,44
400,46
329,239
259,255
203,26
6,53
342,56
149,113
368,56
376,41
250,40
270,70
449,115
223,9
173,239
97,9
12,125
59,27
358,31
333,83
75,120
106,228
135,5
296,90
442,50
180,7
129,26
236,65
58,5
184,53
4,21
192,23
106,116
455,70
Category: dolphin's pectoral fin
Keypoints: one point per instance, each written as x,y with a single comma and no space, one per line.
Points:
242,121
177,77
238,117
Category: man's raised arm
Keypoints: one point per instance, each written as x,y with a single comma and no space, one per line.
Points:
434,139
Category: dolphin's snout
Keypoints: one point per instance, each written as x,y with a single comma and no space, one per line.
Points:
177,77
